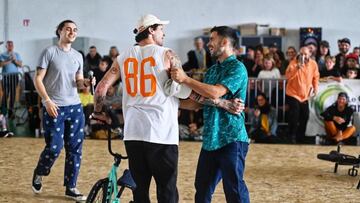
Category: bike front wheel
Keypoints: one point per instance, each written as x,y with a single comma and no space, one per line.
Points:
98,192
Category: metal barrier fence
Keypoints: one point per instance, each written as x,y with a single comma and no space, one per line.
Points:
275,91
17,94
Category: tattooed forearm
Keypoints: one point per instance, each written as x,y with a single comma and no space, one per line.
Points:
115,70
99,103
100,94
202,100
232,106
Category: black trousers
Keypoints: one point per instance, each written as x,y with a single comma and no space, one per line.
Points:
147,160
298,117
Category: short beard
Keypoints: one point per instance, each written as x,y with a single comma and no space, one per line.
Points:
215,55
343,51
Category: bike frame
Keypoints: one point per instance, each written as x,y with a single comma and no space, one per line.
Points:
112,186
113,193
112,190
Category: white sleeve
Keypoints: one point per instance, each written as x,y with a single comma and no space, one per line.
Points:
175,89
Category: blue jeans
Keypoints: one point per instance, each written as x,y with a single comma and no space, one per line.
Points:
66,130
227,163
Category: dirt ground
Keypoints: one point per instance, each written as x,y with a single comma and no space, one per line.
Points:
274,173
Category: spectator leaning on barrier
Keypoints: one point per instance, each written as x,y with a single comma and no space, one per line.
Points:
337,119
330,72
10,61
302,77
351,62
269,71
351,73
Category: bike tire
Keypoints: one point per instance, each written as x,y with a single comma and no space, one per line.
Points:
98,192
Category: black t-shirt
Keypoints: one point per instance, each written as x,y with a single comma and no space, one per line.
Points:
333,72
332,111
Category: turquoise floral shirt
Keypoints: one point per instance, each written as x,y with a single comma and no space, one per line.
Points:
220,126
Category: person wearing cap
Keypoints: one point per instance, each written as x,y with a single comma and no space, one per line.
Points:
150,116
302,77
225,140
352,61
338,119
273,47
322,53
150,109
344,47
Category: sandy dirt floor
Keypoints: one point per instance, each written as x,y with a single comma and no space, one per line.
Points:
274,173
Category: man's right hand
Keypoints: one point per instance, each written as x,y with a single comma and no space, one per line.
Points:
338,120
51,108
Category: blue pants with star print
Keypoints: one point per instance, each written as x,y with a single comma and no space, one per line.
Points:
64,130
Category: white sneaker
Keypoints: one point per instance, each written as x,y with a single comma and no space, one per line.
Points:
74,194
36,183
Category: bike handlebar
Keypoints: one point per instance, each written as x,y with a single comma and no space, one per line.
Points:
109,127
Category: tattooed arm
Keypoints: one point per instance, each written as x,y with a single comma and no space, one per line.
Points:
50,106
234,106
109,79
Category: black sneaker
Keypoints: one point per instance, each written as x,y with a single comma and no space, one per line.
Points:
36,183
74,194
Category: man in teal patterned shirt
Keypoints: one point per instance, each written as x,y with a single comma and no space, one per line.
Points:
225,140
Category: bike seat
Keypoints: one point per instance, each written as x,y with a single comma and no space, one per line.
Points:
342,159
126,180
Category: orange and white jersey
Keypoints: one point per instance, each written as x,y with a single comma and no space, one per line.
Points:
149,114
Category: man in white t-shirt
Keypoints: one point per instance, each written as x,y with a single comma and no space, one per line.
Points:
150,116
150,107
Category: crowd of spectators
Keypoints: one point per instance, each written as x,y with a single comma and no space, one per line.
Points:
273,76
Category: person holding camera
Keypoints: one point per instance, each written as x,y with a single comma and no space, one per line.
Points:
302,77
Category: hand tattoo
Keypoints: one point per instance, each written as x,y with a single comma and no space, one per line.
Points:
114,70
